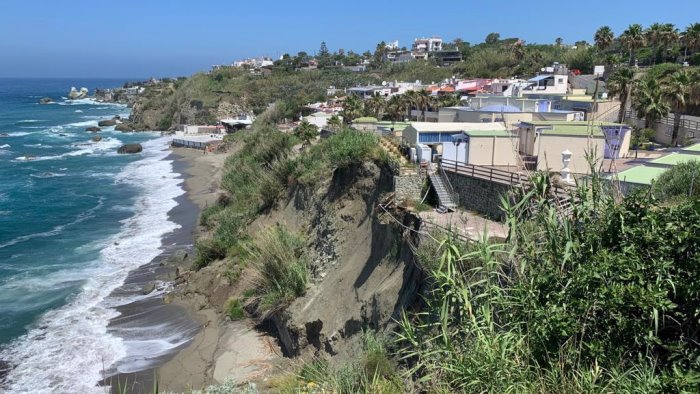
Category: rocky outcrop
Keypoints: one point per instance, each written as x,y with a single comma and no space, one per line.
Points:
75,94
130,148
93,129
107,122
46,100
124,127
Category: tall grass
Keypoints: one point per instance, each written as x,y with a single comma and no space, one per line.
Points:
372,372
601,299
282,268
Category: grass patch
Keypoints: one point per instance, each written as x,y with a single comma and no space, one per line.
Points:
234,309
282,269
373,372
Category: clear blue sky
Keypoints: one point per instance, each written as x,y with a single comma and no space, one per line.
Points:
130,38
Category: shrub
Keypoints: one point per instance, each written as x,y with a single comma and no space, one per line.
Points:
602,299
208,250
234,309
682,181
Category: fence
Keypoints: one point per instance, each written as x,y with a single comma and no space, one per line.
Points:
190,144
684,123
561,194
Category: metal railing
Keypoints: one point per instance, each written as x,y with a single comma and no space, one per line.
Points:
561,194
684,123
446,181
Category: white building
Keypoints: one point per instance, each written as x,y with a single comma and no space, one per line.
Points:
432,44
552,80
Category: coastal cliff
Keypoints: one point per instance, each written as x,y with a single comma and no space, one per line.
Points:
360,271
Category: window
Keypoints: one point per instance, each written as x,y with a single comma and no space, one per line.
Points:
669,130
561,80
691,134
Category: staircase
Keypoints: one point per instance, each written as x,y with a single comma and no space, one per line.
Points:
446,196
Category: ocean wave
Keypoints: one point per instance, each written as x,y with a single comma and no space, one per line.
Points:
29,121
90,101
57,229
83,124
4,146
77,333
18,133
79,110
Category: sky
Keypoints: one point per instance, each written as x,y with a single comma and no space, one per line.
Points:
145,38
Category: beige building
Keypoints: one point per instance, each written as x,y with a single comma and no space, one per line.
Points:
493,138
542,143
481,148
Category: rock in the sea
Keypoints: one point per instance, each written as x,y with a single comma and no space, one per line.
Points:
93,129
124,128
97,139
77,94
45,100
107,122
148,288
130,148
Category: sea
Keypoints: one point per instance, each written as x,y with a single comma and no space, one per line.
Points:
76,219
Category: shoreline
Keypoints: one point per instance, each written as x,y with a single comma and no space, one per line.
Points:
217,349
153,282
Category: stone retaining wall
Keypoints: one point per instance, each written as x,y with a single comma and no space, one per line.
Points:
479,195
408,187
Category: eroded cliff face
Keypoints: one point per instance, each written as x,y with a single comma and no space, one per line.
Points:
362,267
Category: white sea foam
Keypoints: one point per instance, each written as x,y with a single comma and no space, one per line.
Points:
90,101
4,146
29,121
83,124
77,334
18,134
79,110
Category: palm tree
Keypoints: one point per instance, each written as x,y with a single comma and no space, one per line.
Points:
448,100
632,39
678,89
691,38
620,84
423,102
306,132
669,36
604,38
334,123
353,107
375,106
410,99
654,38
396,108
649,102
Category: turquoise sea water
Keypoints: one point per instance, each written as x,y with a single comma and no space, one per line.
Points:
75,218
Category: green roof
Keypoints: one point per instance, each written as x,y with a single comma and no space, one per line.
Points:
675,158
641,174
398,126
579,128
488,133
365,119
693,148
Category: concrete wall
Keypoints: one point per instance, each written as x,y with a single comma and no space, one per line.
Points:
408,187
492,151
479,195
551,146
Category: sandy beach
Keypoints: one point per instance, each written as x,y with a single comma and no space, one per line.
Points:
222,349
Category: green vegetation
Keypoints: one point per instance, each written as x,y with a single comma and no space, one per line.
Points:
282,273
680,182
373,372
234,309
604,300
